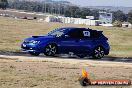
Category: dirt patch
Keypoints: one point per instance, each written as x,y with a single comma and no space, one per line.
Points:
52,74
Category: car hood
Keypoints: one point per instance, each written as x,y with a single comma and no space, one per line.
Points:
40,38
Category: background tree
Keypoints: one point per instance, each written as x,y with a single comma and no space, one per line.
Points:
85,12
130,17
95,13
119,16
72,11
3,4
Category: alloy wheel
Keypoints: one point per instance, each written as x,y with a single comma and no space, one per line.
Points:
50,50
98,53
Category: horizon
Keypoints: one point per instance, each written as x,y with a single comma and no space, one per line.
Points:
118,3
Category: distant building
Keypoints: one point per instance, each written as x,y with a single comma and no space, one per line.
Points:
105,17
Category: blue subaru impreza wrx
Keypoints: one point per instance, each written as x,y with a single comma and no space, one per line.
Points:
79,41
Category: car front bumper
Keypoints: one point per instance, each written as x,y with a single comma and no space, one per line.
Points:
30,48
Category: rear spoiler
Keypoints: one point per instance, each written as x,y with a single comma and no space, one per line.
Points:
36,36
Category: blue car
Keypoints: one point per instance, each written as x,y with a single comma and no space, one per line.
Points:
78,41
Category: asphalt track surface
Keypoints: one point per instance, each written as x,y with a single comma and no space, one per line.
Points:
106,61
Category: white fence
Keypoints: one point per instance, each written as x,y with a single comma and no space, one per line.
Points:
72,20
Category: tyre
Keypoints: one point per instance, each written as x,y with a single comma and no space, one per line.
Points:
50,50
34,53
98,53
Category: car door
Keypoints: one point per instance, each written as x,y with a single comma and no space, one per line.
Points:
72,42
86,42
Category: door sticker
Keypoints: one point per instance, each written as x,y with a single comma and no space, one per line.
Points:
86,33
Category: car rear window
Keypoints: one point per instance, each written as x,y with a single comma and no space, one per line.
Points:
95,34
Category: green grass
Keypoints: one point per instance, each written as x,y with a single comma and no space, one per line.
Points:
12,33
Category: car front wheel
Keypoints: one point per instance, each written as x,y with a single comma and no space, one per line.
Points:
50,50
98,53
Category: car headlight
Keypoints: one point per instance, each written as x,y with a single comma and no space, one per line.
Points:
34,42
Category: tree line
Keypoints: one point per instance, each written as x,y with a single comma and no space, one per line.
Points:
60,8
3,4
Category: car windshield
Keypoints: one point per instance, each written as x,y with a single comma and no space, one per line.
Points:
57,32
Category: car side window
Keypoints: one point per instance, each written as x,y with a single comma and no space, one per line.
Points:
76,33
94,34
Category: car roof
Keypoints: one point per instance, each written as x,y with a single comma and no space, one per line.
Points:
72,28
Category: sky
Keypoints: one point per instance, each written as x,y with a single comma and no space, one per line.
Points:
125,3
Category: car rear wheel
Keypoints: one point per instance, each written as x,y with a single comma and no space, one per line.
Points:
98,53
34,53
50,50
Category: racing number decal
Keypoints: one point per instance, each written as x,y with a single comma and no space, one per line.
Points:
86,33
